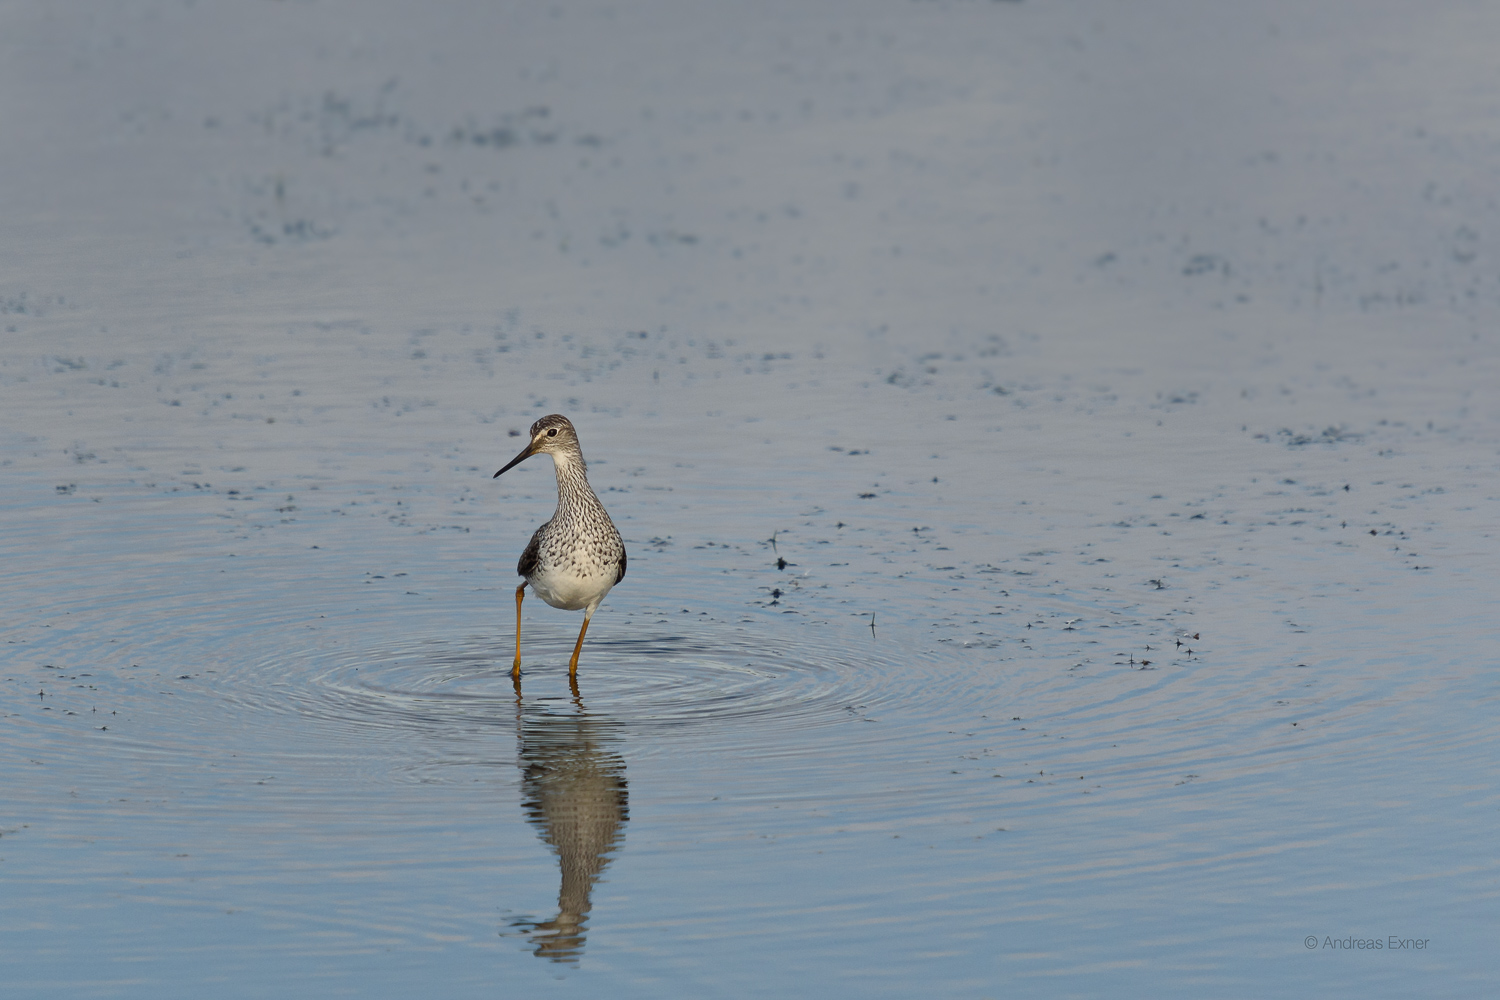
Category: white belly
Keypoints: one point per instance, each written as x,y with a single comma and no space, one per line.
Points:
568,590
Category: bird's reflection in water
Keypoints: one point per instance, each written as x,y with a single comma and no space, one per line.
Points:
573,792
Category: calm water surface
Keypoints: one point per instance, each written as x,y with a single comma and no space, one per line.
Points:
254,715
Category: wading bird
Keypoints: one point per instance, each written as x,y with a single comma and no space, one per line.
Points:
577,557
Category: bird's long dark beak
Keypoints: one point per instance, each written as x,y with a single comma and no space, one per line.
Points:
526,453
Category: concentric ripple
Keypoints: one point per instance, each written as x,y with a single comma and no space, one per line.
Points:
722,679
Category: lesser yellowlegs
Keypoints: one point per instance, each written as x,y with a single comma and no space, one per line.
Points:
577,557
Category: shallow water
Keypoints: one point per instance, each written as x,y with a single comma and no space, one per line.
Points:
1000,618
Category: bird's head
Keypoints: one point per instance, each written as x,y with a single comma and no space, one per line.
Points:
553,435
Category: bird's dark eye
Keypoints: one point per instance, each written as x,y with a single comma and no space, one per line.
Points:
552,432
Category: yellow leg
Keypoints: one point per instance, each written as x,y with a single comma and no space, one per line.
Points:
515,671
578,646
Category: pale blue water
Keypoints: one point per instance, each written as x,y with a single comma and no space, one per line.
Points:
1150,696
